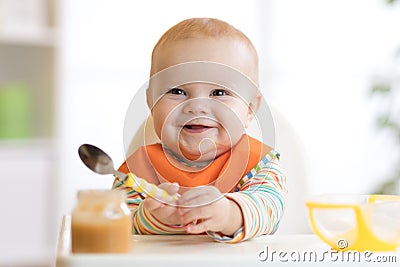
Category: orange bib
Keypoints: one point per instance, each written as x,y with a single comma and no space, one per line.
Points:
151,163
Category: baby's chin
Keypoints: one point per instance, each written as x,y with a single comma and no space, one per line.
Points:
202,156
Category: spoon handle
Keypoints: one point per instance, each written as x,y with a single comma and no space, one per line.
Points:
142,186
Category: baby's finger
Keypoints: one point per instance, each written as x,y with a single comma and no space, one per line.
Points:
198,201
202,227
191,215
194,193
171,188
199,196
151,204
164,212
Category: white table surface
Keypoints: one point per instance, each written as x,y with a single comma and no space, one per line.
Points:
201,250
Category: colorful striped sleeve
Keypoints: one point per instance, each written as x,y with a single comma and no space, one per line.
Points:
261,198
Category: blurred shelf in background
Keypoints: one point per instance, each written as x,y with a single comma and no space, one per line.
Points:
44,37
28,62
28,49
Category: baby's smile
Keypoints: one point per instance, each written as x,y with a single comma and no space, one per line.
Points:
199,126
196,128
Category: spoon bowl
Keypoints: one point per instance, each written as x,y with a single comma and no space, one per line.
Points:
98,161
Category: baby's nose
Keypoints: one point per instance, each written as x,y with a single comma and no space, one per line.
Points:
197,106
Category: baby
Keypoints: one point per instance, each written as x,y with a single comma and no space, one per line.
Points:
203,94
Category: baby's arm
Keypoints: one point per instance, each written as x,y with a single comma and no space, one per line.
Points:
261,199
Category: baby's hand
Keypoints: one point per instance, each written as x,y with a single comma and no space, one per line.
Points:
209,210
167,214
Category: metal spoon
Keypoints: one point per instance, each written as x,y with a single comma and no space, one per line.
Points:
98,161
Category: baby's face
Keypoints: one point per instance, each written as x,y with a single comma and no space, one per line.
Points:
200,121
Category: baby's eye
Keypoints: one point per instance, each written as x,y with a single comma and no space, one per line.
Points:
176,91
219,92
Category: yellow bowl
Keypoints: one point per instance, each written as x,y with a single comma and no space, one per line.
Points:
356,222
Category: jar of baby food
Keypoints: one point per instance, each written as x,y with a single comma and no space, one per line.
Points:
101,222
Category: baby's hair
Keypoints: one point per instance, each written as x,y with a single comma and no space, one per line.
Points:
203,28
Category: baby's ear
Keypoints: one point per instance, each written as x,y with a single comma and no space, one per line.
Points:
254,106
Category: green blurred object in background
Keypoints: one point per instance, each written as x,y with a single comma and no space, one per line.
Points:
15,111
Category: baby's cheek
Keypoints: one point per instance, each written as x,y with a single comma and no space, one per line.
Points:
157,128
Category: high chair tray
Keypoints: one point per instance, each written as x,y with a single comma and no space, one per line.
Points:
202,250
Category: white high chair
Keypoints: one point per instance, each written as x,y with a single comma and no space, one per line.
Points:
293,161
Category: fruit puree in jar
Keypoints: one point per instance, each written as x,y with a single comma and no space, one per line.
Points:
101,222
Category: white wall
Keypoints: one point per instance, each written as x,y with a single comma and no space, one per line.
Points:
321,59
317,59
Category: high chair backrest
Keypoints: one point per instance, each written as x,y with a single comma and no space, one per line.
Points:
293,161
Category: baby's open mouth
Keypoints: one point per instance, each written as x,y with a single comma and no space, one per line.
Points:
196,128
